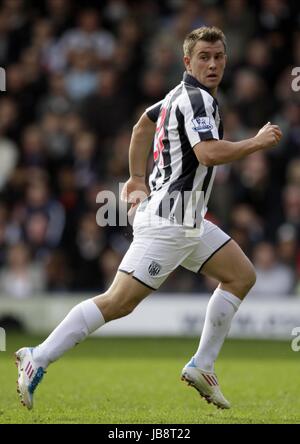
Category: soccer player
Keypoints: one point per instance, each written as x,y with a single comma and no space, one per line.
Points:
169,225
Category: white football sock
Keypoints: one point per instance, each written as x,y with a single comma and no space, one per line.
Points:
81,321
220,310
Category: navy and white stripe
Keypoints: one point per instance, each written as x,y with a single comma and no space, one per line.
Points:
188,115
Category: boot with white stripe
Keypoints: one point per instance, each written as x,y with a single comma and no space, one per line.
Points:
29,376
206,383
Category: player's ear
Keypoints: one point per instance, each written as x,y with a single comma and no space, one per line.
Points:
187,62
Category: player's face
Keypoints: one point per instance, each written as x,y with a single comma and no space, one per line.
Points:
207,63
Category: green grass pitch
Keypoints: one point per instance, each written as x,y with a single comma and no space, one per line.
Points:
123,380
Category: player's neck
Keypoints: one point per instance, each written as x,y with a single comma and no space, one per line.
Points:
214,91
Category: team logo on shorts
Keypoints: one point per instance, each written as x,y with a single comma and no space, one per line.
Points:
154,268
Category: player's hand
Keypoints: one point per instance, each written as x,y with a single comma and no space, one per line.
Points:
134,191
269,135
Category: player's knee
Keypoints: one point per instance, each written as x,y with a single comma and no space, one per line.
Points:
253,278
249,279
125,308
118,307
242,284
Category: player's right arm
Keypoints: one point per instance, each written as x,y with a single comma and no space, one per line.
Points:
215,152
135,189
140,143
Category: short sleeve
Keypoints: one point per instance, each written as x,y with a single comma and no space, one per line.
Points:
199,109
153,111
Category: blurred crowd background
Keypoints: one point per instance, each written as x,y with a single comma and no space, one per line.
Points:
79,74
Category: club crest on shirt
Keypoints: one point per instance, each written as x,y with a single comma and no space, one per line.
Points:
201,124
154,268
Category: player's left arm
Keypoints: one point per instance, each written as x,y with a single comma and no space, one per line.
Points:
203,135
198,115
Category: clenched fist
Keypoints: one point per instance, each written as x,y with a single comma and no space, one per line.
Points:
269,135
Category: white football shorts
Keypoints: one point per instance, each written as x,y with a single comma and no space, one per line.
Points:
158,249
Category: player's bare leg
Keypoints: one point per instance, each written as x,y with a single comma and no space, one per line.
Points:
236,275
231,267
122,297
119,300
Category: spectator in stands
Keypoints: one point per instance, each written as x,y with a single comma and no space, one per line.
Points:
9,118
238,28
58,273
73,124
3,243
9,157
81,79
153,86
272,278
56,140
61,14
108,264
88,36
38,199
4,38
56,101
291,205
89,245
106,111
86,165
250,93
20,278
246,219
36,227
42,39
287,245
33,147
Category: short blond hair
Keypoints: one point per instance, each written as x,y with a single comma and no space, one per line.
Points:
205,33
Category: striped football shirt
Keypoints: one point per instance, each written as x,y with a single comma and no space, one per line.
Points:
180,185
